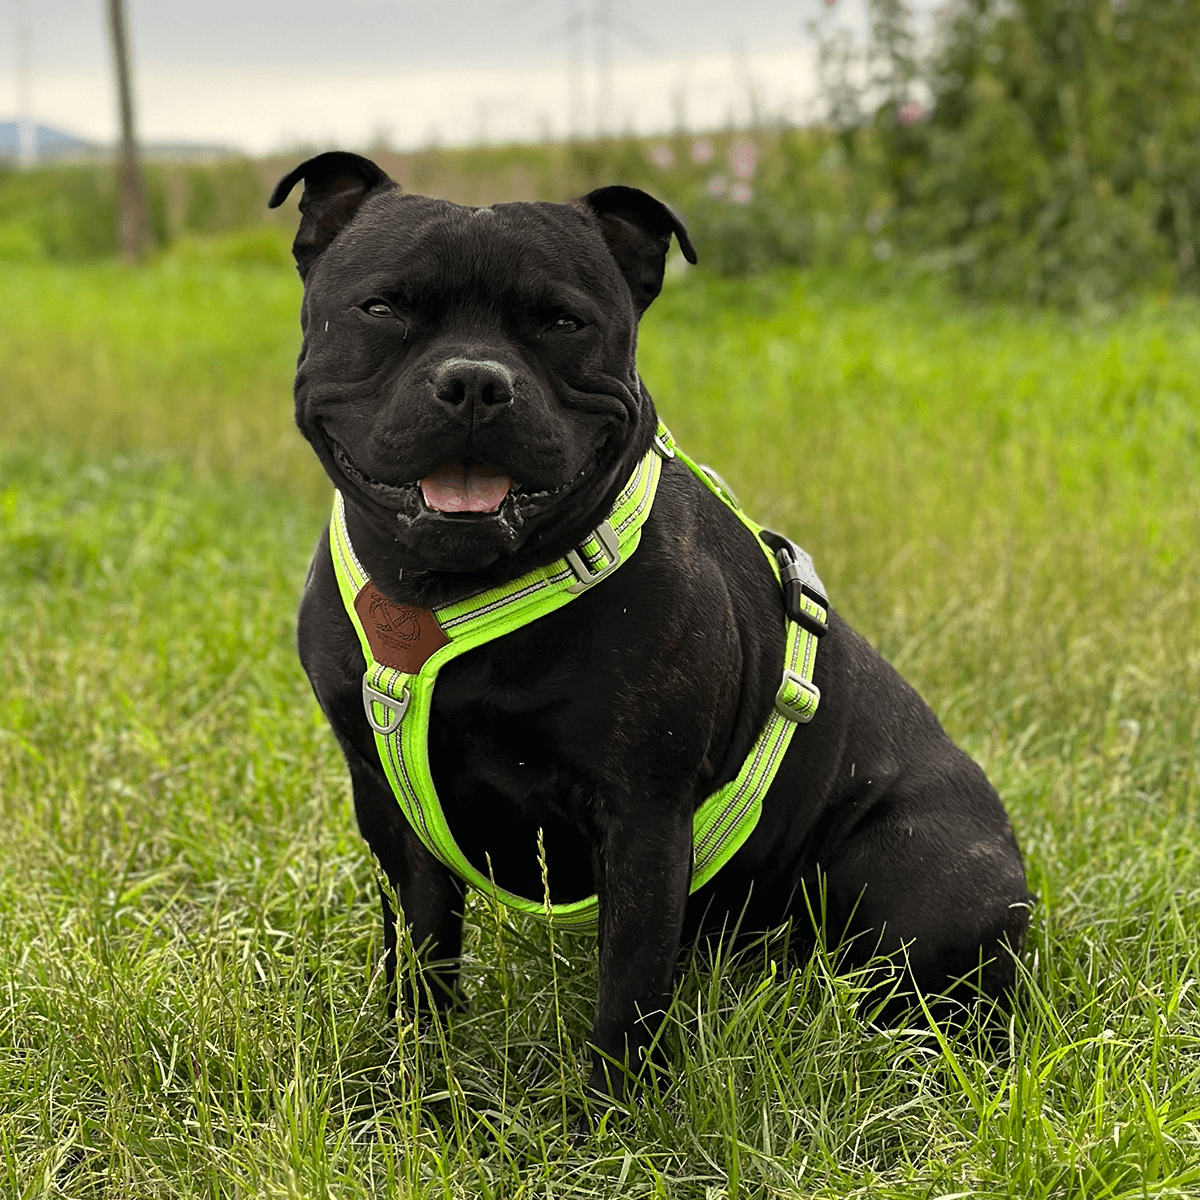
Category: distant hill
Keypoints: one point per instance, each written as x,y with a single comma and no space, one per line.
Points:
54,144
51,143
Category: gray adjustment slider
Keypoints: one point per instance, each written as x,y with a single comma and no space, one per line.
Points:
799,579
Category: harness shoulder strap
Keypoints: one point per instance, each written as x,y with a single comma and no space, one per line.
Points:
726,819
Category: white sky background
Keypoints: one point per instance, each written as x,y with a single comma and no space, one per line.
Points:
266,75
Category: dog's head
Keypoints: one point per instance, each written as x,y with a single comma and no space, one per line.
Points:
467,375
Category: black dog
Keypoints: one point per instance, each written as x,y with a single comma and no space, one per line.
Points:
467,379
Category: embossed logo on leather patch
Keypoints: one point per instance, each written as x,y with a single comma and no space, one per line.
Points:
400,635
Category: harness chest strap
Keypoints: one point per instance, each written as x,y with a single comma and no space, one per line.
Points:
405,647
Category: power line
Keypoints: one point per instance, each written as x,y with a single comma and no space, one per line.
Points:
591,25
27,132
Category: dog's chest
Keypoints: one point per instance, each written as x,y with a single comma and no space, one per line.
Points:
510,762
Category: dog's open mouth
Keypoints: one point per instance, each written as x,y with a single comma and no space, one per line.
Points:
464,489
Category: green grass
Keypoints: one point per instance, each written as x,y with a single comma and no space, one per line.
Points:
1006,502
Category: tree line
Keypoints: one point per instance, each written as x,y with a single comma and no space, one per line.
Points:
1038,150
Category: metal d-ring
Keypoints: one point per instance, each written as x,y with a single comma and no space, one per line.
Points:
397,707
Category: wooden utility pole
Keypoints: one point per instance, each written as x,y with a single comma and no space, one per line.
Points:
132,225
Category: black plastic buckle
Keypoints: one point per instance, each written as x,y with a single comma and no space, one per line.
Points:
795,580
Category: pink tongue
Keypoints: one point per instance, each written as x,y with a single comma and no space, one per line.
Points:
455,487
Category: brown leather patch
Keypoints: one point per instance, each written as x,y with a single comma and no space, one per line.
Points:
400,635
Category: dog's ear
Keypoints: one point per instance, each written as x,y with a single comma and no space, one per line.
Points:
638,231
335,185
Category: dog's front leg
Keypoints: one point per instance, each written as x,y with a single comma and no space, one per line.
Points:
431,897
645,872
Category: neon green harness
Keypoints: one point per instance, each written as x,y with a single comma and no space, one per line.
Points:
398,701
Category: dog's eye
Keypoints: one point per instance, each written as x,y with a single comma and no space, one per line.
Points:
566,324
385,312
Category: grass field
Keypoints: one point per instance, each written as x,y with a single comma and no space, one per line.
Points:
1006,502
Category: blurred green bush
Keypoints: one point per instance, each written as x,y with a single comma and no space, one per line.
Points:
67,213
1057,156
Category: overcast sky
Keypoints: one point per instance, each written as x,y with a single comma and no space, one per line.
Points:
275,74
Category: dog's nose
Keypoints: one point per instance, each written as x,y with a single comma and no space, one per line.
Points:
474,381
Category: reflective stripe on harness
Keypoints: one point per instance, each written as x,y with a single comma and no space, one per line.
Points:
398,702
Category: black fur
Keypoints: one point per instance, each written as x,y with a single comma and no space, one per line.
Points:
608,722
